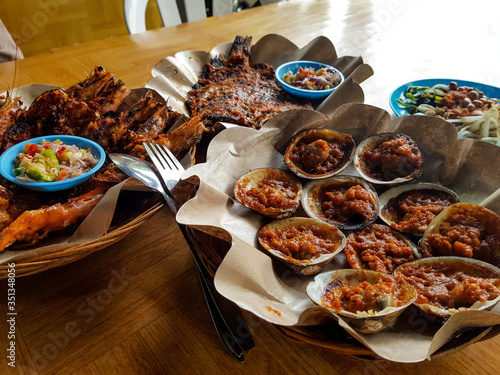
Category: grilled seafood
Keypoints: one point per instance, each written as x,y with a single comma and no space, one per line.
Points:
8,115
85,109
101,90
231,90
33,225
58,112
109,129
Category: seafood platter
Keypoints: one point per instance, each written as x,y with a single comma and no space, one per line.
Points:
102,109
323,217
357,229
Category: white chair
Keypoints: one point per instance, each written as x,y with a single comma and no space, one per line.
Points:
135,12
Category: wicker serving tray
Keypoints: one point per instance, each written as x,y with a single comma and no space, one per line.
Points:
126,219
329,336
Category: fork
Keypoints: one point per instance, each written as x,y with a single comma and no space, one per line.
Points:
222,311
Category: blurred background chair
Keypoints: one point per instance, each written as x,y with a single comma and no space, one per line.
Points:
174,12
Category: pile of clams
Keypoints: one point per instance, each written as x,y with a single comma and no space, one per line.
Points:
317,213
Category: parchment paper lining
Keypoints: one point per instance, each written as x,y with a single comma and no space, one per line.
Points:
248,276
174,76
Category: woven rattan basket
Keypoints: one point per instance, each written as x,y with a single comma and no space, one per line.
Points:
127,218
212,251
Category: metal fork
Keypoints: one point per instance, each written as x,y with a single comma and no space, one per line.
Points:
226,316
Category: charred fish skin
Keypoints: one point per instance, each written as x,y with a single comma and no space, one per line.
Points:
9,111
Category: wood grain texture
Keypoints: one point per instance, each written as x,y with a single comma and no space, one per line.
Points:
40,26
136,307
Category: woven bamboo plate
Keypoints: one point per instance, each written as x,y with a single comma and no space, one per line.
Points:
329,336
126,219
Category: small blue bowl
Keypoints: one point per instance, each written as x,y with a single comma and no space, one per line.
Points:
7,163
293,66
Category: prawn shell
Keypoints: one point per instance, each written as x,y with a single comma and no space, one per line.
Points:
362,322
252,179
394,192
305,266
319,134
372,142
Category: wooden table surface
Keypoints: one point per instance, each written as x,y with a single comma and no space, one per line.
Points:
136,307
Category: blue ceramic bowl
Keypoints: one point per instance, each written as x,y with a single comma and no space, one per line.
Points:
7,163
293,66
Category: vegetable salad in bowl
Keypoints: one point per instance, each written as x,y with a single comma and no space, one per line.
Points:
52,161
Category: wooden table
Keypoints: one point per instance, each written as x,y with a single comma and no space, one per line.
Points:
136,307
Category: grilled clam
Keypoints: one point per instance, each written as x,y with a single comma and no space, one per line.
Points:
380,298
275,193
410,208
347,202
388,159
464,230
447,285
319,153
303,244
379,248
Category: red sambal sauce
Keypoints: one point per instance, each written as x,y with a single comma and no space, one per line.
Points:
393,158
300,242
412,211
366,297
471,234
442,286
347,205
271,192
377,248
320,156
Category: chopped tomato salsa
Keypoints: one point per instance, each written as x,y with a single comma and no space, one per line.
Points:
347,205
366,297
300,242
442,286
412,211
393,158
377,248
320,156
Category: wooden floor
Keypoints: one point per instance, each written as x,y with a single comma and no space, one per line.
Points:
41,26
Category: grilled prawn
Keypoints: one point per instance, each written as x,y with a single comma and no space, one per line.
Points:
33,225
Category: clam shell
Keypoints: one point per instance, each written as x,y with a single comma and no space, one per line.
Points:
312,200
472,267
305,266
354,257
310,136
391,219
406,174
361,322
487,222
253,179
